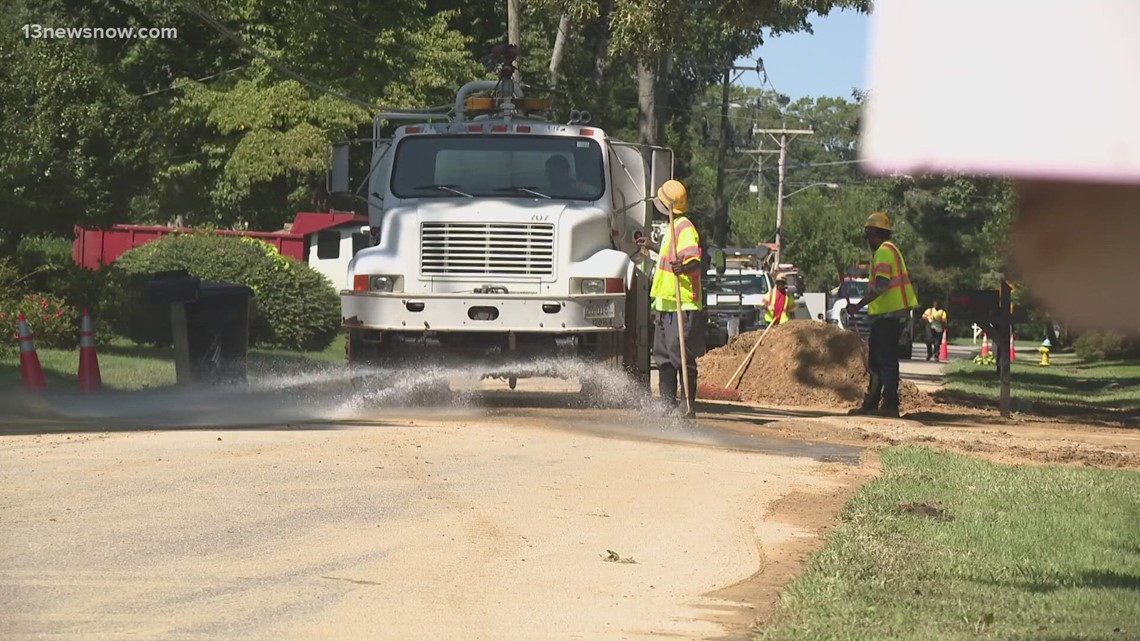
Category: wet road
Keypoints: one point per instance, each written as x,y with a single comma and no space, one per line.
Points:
306,510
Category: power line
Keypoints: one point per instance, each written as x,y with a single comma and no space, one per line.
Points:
203,79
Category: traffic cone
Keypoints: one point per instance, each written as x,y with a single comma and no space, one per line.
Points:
89,377
944,351
1012,351
985,345
31,373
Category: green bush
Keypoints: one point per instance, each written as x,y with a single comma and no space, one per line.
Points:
33,251
53,322
47,266
295,307
1102,345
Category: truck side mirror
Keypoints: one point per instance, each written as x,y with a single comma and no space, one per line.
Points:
337,178
661,168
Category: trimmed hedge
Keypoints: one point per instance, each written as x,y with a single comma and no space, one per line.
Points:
294,307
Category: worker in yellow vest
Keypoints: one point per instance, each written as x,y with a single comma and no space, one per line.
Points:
779,306
936,321
682,263
889,300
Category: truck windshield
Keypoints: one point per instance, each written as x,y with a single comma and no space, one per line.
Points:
501,166
744,284
853,290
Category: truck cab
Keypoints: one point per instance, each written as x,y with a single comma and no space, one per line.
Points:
503,238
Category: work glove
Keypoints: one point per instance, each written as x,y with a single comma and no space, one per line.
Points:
852,309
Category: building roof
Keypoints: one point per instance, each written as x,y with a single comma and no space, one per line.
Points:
312,222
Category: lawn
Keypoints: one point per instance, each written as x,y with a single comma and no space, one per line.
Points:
944,546
126,366
1102,390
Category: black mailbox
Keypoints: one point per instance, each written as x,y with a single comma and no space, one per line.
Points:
981,306
167,288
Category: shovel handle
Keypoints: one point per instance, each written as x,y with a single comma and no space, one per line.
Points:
748,359
680,316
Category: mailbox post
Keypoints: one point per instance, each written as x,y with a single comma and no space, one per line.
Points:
991,310
176,289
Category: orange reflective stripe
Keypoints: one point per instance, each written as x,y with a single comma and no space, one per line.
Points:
679,227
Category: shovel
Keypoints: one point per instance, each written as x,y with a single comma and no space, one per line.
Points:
680,318
747,359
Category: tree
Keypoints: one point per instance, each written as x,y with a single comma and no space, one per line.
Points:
75,146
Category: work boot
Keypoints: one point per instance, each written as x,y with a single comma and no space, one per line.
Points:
863,410
889,410
679,410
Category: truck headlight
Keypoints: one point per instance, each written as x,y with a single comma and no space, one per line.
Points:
382,283
593,286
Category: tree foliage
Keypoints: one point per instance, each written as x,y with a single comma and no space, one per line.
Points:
228,124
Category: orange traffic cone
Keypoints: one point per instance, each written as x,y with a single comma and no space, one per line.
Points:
985,345
89,377
30,371
1012,351
944,351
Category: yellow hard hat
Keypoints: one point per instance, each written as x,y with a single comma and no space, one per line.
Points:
879,220
781,276
673,195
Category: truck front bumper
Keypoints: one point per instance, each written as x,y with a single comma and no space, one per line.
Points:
403,312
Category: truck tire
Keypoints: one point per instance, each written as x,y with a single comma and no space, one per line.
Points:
363,359
609,353
370,373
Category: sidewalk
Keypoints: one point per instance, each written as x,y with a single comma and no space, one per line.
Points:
928,375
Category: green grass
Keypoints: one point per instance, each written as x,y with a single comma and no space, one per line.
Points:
1108,389
1042,553
126,366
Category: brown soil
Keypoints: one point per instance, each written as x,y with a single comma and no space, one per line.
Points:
801,364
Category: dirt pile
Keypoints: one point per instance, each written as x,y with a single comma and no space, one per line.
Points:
801,364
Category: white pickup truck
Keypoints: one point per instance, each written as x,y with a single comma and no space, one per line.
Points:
853,288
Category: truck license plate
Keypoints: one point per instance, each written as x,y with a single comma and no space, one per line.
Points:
599,309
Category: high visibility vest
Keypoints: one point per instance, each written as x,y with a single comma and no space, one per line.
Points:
937,319
899,296
771,299
664,290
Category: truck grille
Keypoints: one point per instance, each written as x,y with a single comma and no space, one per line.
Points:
522,249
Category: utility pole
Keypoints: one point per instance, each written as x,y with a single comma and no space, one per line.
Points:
783,140
514,28
759,168
722,154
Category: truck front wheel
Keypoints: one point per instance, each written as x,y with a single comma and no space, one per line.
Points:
610,384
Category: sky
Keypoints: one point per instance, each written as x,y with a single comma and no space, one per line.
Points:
829,62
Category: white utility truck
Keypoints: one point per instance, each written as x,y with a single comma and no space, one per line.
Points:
501,237
852,288
734,294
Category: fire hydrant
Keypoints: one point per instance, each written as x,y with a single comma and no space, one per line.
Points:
1044,349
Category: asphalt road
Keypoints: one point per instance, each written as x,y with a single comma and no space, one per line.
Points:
503,515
